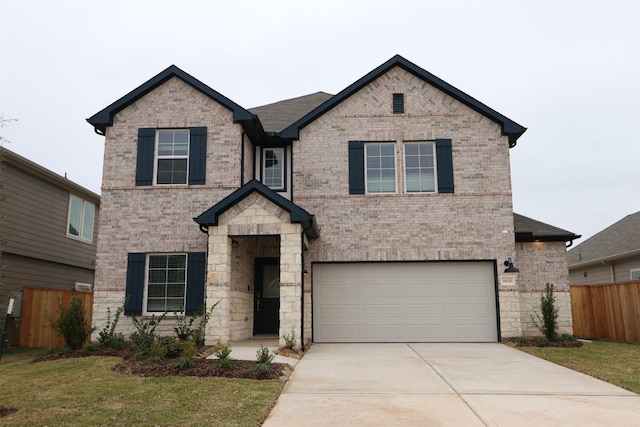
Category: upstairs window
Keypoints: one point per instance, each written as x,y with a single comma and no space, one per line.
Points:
80,219
273,168
380,167
172,156
420,167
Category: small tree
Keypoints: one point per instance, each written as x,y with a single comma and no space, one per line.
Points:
548,322
72,324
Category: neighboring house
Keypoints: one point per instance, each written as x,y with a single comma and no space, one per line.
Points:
382,213
612,255
48,228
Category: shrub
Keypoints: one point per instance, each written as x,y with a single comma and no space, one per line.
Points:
223,355
186,362
172,347
263,361
260,368
157,352
72,324
290,340
263,355
548,322
89,346
108,336
185,330
145,335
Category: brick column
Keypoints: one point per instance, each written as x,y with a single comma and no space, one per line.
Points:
509,299
290,282
219,285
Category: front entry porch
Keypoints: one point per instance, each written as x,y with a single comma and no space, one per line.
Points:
254,266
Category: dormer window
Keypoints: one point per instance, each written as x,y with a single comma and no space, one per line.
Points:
273,168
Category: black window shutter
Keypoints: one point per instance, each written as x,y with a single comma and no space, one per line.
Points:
197,156
356,167
144,161
445,165
195,282
135,283
398,103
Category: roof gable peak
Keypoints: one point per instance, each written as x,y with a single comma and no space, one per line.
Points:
104,118
508,126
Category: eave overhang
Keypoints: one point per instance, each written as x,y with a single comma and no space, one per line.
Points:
297,215
509,128
528,236
104,118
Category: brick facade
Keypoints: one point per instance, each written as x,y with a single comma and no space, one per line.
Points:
473,223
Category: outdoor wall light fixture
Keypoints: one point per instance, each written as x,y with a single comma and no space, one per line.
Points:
510,268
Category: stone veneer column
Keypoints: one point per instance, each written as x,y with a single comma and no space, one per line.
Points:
509,299
290,282
219,285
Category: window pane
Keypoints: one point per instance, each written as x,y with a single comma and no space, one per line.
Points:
172,171
419,167
380,168
273,168
172,156
166,283
75,211
87,221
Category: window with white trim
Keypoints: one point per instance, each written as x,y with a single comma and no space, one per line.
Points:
172,156
380,167
420,167
635,274
273,168
166,283
80,219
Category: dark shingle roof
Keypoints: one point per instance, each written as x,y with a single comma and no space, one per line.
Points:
623,237
530,230
277,116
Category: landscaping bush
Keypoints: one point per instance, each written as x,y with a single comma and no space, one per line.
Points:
72,324
145,335
223,355
547,319
108,336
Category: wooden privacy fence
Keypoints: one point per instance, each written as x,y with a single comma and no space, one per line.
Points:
610,311
40,308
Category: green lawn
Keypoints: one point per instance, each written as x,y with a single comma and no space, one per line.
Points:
85,391
615,362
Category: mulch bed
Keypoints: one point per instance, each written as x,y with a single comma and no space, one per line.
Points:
537,342
203,367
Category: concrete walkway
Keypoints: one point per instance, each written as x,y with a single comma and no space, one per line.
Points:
444,385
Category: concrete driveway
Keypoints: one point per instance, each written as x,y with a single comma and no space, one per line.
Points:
444,385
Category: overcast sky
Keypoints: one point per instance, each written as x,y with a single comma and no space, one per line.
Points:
569,71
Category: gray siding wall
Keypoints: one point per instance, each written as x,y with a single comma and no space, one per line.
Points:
35,220
601,273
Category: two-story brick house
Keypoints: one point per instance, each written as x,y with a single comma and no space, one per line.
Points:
381,213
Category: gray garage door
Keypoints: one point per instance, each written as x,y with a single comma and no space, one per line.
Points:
404,302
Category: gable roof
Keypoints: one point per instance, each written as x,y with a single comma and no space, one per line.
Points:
620,239
9,157
277,116
104,118
509,127
530,230
297,214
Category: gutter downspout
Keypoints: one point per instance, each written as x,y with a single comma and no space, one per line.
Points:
302,290
242,158
613,274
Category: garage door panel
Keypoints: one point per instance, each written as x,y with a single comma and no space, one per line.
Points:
404,302
384,311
